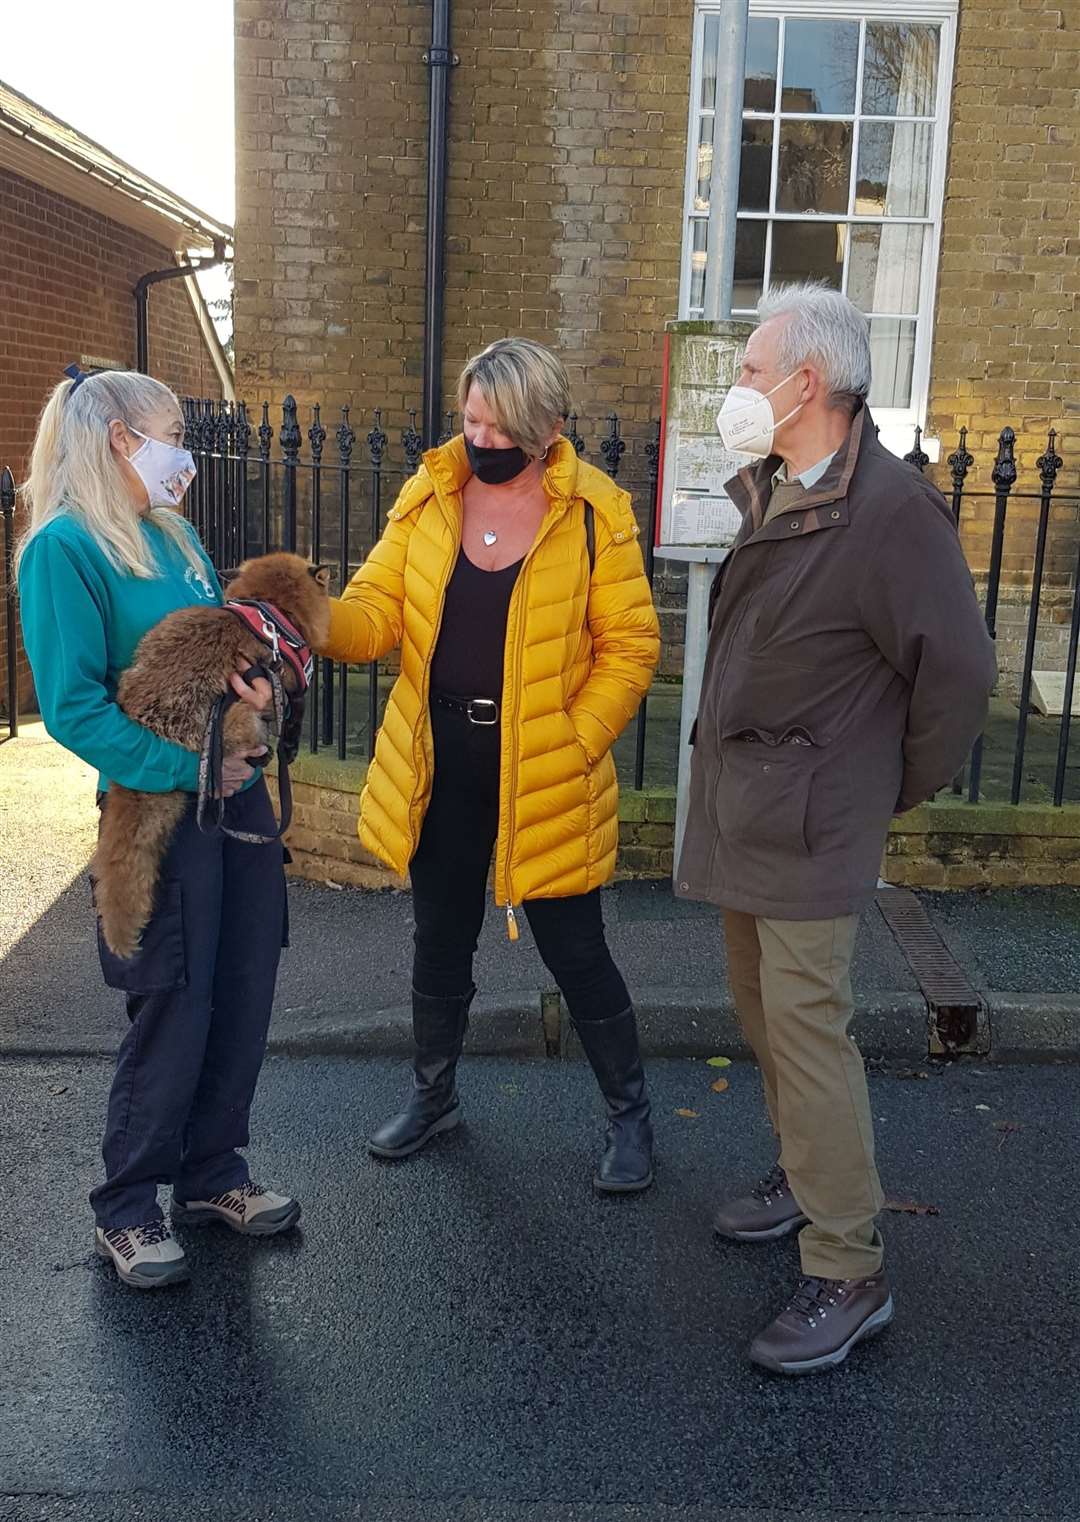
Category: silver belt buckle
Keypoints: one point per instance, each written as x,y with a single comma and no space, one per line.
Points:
488,703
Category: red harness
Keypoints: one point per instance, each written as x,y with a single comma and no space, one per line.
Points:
288,650
270,627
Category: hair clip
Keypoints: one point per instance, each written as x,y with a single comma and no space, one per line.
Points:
78,376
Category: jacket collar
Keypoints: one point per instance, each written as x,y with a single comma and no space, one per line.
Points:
823,506
448,469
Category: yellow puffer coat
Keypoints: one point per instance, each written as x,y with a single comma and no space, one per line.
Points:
579,656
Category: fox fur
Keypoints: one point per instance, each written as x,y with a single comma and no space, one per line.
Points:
180,668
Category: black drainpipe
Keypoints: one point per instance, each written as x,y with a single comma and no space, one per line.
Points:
440,60
142,299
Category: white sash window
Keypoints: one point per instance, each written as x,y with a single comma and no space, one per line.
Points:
845,119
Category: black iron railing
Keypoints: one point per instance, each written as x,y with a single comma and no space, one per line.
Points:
324,491
331,504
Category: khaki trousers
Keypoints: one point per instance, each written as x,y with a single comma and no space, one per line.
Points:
792,986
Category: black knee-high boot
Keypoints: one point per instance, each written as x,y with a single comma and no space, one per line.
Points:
612,1049
439,1025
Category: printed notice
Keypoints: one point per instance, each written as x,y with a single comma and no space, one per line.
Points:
695,518
703,362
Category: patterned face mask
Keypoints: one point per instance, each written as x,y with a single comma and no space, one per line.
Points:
163,469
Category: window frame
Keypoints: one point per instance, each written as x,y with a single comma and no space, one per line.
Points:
896,423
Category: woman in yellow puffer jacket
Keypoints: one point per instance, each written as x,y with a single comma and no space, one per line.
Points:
511,577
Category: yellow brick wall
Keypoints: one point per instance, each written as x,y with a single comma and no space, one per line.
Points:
566,163
944,845
1006,345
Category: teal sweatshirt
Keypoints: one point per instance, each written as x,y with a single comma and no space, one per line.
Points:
81,621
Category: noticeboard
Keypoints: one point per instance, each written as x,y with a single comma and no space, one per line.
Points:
701,364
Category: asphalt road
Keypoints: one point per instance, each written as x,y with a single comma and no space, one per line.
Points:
473,1335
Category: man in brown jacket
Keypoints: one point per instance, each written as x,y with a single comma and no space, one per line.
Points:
848,673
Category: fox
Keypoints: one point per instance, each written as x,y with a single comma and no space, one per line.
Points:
180,669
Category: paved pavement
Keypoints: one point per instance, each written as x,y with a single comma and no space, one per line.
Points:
344,982
474,1335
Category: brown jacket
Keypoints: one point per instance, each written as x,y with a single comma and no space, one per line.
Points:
848,673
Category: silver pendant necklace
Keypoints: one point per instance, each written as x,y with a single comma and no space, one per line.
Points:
491,537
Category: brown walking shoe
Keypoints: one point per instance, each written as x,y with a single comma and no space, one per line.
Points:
767,1212
824,1321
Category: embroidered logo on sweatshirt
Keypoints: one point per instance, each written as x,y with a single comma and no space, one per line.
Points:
199,583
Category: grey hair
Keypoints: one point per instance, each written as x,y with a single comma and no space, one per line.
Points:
827,330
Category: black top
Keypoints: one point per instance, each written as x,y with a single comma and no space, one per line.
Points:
468,661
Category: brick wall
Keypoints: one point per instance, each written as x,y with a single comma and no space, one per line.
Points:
66,280
1007,333
324,845
566,161
942,845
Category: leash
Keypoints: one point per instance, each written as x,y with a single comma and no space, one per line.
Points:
287,648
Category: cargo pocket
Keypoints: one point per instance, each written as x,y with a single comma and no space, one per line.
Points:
285,918
160,964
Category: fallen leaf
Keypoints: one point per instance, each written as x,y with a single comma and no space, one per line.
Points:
910,1207
61,1090
982,1107
718,1062
720,1086
687,1114
912,1073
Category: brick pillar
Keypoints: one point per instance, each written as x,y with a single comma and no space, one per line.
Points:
566,167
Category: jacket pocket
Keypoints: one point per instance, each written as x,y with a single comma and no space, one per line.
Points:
160,964
763,795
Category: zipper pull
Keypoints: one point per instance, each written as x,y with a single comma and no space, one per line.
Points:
511,923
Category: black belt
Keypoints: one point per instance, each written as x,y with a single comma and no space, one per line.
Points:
483,711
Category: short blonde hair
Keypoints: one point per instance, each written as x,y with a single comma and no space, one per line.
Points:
525,385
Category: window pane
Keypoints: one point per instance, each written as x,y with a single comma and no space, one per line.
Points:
808,251
704,164
894,169
749,264
892,356
755,167
759,93
708,63
815,166
700,238
900,72
885,267
820,66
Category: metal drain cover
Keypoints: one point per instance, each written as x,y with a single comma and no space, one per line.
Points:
958,1018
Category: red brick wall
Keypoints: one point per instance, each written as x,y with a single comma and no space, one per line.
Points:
66,290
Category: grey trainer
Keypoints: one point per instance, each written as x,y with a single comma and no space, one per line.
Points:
146,1257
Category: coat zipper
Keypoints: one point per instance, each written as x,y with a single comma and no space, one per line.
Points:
425,685
512,930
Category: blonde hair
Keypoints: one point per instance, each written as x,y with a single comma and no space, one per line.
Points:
525,385
73,469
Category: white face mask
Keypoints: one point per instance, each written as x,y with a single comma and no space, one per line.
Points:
163,469
747,421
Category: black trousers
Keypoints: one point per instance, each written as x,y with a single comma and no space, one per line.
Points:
449,881
199,993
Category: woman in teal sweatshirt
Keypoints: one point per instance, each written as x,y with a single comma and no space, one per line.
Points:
106,555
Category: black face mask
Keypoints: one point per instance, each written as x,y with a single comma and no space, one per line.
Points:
496,466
